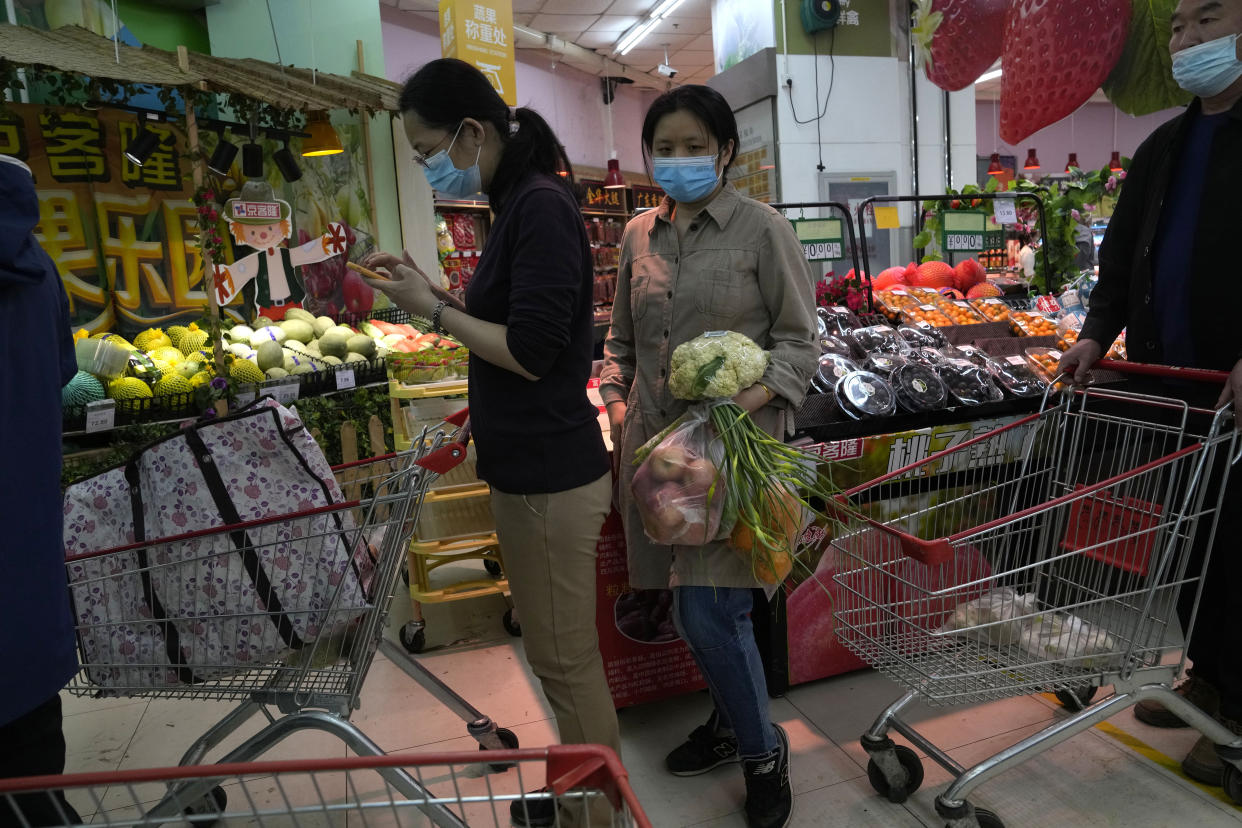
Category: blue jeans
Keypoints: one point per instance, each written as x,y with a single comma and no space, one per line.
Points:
715,623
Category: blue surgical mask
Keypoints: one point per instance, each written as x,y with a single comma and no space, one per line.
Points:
1208,69
444,176
687,180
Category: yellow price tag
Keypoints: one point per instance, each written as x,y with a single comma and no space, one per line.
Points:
886,218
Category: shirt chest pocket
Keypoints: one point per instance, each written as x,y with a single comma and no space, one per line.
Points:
727,286
648,277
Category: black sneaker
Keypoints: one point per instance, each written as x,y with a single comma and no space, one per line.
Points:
706,748
769,797
536,810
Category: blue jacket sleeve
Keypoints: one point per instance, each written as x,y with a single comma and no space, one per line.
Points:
548,272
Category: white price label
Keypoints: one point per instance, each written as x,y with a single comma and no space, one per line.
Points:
284,393
244,398
345,379
822,251
1016,360
100,416
969,242
1004,211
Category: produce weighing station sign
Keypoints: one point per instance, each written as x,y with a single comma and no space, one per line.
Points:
480,32
821,239
963,232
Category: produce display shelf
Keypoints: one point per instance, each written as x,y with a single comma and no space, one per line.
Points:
448,388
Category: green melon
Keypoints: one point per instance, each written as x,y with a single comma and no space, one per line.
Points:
82,389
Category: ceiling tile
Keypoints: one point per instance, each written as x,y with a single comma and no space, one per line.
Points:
614,23
568,26
699,9
598,40
632,7
702,43
687,58
527,5
523,19
575,6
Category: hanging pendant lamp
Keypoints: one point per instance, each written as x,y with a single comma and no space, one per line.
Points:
994,165
1032,160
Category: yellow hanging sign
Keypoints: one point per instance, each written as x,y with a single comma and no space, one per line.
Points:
480,32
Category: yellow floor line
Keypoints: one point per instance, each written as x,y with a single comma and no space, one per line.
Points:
1167,762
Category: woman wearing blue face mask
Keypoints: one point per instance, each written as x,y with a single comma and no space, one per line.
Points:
528,320
708,259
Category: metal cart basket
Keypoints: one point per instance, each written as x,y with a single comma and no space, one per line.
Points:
316,686
450,789
1045,555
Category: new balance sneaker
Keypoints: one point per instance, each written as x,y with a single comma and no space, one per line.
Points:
769,797
709,746
536,810
1194,690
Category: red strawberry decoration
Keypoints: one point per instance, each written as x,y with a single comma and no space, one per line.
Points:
959,39
1057,53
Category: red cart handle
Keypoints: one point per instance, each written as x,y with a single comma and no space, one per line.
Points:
1164,371
445,459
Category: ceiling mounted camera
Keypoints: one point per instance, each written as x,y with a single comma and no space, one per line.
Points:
666,70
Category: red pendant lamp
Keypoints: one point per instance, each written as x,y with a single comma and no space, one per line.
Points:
1114,162
994,165
1032,160
1072,163
614,181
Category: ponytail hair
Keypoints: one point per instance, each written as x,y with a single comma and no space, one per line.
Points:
447,90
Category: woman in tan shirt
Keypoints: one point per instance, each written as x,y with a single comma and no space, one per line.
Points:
708,259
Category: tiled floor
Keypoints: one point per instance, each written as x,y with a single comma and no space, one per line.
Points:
1095,779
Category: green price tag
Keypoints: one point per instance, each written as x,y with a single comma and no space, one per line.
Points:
821,239
962,232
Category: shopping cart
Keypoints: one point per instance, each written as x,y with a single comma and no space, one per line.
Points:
314,687
449,788
1048,554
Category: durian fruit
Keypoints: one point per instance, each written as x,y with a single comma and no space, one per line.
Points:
167,354
82,389
193,339
243,370
128,388
150,339
172,383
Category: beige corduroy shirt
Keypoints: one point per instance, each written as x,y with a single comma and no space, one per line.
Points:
740,268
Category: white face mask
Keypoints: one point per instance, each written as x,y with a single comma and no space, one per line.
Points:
1208,69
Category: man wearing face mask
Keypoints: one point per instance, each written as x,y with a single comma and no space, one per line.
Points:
1167,259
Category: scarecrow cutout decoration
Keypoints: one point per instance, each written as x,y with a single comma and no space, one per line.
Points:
259,220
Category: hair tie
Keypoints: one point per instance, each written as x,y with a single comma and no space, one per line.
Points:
513,124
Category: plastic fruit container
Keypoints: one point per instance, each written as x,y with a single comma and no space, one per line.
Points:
1118,350
834,321
969,384
892,302
838,345
863,394
1026,323
925,295
961,312
925,356
830,371
884,363
922,336
878,339
1016,377
976,355
994,310
929,314
919,388
1045,361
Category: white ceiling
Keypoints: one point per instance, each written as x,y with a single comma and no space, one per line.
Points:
598,25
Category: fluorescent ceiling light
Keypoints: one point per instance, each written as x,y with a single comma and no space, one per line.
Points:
631,38
529,32
987,76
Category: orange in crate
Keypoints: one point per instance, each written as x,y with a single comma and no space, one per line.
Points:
1120,532
927,313
993,309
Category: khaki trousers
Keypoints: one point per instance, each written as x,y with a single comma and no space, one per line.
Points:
548,544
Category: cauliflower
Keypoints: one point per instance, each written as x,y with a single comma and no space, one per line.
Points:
716,365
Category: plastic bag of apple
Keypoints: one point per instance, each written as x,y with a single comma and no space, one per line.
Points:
334,290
